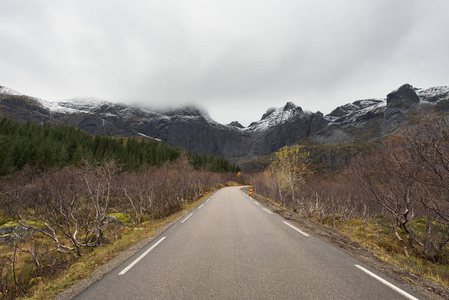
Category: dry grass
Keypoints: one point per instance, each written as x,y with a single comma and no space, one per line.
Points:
46,288
379,241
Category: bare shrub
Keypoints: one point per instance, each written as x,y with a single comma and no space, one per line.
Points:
409,177
381,177
63,212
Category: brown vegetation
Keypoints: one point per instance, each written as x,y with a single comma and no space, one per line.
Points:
60,215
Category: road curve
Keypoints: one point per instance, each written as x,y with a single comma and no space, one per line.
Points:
231,247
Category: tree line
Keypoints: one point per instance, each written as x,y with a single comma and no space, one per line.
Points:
46,146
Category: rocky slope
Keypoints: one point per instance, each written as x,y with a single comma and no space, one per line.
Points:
193,129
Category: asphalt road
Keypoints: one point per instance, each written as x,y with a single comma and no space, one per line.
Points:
231,247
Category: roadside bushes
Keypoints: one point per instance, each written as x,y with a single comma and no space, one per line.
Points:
408,176
322,197
74,202
57,216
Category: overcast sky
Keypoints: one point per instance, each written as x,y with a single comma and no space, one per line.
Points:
234,58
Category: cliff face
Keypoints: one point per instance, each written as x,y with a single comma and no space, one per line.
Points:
200,134
193,129
401,104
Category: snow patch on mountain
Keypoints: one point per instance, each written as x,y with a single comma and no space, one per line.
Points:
353,112
433,94
149,137
85,105
51,106
57,107
276,116
7,91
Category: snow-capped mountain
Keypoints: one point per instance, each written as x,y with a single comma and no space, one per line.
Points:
7,91
361,110
192,128
277,116
434,94
352,112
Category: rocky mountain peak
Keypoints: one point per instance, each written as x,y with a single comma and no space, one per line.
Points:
433,94
275,116
268,113
189,111
236,124
342,110
401,104
7,91
404,97
357,111
289,106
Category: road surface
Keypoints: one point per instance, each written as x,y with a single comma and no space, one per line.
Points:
231,247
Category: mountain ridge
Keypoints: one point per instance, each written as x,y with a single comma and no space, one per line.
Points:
192,128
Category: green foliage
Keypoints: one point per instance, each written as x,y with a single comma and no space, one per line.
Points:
7,222
122,217
45,146
289,167
293,160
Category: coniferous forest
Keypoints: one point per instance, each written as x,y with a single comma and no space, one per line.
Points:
45,146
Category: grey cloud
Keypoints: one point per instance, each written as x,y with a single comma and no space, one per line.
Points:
235,58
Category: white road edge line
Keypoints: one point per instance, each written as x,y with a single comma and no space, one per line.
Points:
187,218
268,211
295,228
140,257
256,203
201,206
395,288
